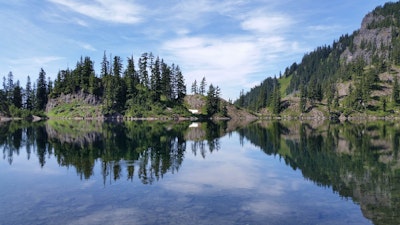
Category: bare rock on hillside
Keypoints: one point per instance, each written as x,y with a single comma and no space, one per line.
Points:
375,38
70,98
198,102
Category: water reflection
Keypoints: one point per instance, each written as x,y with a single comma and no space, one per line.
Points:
148,149
360,162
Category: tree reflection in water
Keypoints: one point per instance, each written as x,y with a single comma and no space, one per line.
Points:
150,149
358,161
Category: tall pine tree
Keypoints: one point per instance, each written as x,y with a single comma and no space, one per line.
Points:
41,92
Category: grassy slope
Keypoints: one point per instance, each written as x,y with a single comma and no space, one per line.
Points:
384,90
75,109
284,84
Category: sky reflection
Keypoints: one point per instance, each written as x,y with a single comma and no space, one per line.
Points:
234,184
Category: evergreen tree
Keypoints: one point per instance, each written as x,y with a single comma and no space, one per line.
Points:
131,78
119,86
34,96
144,76
395,91
155,80
117,66
10,87
3,101
105,66
276,99
29,95
41,92
87,83
330,95
166,80
194,87
5,86
303,99
217,96
241,98
336,100
180,85
211,102
76,76
314,91
17,96
202,87
49,86
94,84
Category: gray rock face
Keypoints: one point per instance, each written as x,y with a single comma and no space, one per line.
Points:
70,98
369,41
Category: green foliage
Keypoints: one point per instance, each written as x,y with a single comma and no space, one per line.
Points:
258,97
276,99
212,100
41,92
303,99
150,90
358,63
284,83
75,109
395,91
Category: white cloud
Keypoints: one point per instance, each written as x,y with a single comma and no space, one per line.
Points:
267,206
223,61
117,11
267,23
224,170
324,27
85,46
229,62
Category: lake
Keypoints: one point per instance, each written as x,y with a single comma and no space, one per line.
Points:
82,172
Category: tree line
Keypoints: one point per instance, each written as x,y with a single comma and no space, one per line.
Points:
23,102
149,85
267,94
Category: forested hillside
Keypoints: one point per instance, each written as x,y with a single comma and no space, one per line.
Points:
358,73
151,87
148,88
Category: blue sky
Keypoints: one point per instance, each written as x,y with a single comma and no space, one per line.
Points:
235,44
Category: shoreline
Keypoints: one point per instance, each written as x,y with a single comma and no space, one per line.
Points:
120,118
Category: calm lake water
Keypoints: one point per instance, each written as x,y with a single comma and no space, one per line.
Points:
63,172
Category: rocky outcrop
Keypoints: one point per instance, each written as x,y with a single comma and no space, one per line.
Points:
369,40
82,97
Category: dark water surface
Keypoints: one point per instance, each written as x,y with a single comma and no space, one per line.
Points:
62,172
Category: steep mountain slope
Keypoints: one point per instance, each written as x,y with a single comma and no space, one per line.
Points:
355,62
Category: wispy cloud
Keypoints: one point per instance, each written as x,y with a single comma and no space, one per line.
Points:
85,46
41,60
267,23
324,27
116,11
224,62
